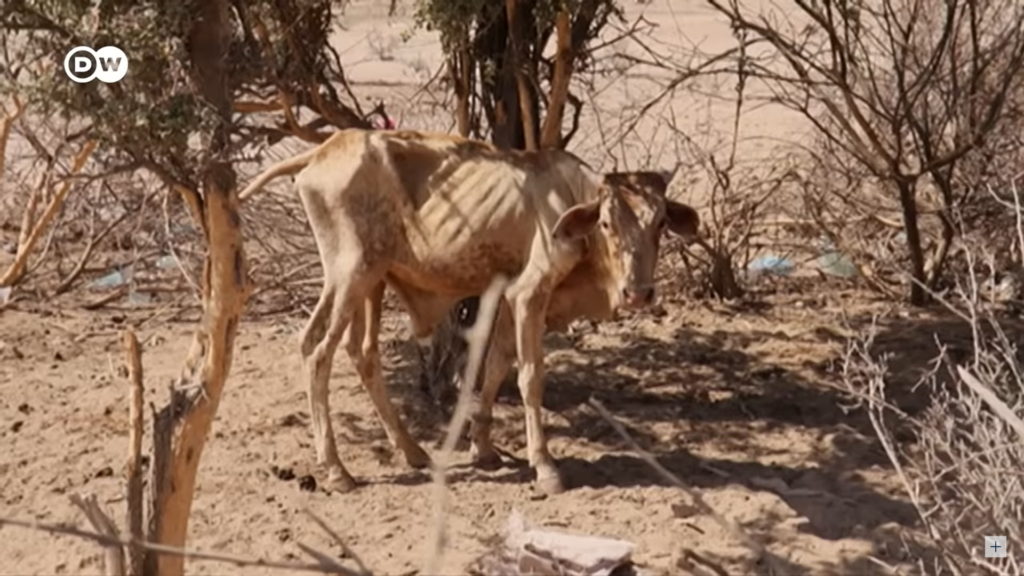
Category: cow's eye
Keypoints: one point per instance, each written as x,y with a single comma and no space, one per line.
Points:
605,225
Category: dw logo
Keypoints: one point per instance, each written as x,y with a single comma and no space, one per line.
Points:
108,64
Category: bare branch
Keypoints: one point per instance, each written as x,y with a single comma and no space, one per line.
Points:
238,561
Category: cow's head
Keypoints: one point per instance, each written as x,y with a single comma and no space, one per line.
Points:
625,225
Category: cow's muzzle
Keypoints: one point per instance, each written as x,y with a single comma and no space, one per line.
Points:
638,297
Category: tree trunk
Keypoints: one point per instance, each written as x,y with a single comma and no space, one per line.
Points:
225,287
908,202
551,133
518,60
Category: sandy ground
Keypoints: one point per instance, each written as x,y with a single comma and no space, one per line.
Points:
740,402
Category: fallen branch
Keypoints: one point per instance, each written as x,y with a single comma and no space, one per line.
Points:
105,299
113,560
238,561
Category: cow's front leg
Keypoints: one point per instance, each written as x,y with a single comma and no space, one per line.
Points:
529,308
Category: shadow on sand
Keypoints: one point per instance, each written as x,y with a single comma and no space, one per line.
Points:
711,383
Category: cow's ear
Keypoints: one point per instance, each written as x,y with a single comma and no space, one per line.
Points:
577,222
682,220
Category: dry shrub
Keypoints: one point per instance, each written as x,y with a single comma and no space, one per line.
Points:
962,469
738,197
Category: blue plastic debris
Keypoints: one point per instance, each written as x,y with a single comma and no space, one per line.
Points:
771,264
835,263
118,277
111,280
137,298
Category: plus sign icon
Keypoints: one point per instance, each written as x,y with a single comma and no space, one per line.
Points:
995,546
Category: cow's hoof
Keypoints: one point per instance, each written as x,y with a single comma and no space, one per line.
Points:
416,457
487,460
550,484
339,480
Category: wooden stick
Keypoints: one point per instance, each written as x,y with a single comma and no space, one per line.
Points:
133,470
113,559
106,298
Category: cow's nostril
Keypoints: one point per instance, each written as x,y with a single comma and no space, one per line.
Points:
649,296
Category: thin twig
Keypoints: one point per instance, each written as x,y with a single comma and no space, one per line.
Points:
349,552
477,339
239,561
674,480
993,401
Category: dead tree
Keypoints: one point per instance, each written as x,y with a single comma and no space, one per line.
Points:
911,90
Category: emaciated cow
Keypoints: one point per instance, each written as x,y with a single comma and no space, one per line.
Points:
436,218
583,294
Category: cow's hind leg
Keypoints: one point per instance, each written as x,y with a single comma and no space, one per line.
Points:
319,341
362,345
343,293
500,355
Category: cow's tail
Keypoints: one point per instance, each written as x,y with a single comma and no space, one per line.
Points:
289,166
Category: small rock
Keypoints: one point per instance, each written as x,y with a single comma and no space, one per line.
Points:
24,408
16,427
58,356
684,510
105,472
282,473
291,420
284,535
307,483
